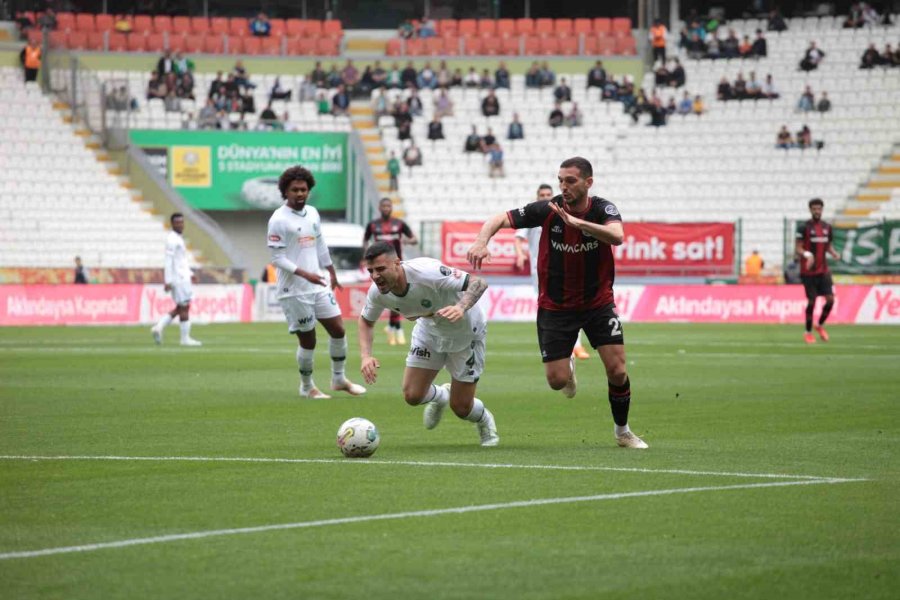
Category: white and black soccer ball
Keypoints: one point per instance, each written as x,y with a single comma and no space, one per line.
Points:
358,438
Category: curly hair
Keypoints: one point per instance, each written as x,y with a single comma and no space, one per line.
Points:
293,174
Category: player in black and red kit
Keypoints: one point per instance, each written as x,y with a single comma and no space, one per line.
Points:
395,232
576,271
813,243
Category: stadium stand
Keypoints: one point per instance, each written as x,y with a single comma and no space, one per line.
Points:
57,200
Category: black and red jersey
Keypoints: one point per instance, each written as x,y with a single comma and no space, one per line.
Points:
575,270
388,230
816,237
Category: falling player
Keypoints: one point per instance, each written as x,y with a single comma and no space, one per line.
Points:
178,277
813,243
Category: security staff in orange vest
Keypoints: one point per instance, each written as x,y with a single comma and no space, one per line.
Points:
753,266
658,41
31,60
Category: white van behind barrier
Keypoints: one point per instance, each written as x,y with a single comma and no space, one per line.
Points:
345,244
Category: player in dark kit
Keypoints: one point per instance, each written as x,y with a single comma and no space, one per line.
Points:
813,243
576,270
395,232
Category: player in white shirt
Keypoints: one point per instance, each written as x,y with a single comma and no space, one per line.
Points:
178,277
449,333
527,245
299,252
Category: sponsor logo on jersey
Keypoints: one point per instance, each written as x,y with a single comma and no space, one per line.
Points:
575,248
819,239
522,212
304,320
556,229
274,238
445,271
420,352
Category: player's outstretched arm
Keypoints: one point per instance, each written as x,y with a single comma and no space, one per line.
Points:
478,251
369,364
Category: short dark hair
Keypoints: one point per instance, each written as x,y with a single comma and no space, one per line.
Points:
545,186
379,248
582,164
175,216
293,174
816,202
385,199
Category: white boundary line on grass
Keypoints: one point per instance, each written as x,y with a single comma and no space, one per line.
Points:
162,539
416,463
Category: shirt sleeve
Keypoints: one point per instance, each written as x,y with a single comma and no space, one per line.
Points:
322,250
530,215
276,237
368,235
445,278
522,234
374,307
801,232
609,213
405,230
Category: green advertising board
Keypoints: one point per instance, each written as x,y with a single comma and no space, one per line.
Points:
225,170
872,249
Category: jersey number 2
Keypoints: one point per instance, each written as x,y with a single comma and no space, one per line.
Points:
615,328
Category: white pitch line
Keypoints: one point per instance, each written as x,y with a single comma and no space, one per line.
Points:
162,539
416,463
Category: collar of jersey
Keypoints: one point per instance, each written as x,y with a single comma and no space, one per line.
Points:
302,213
405,292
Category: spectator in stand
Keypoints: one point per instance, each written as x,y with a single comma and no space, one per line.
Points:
784,139
533,76
208,118
768,88
807,101
403,120
637,106
412,156
811,58
81,274
515,131
488,140
626,90
870,58
677,77
443,105
30,58
657,35
871,17
740,87
888,56
575,118
760,46
854,18
724,91
490,106
596,77
824,104
185,86
699,108
661,75
501,77
260,26
350,77
671,107
547,76
456,80
156,87
268,118
318,75
895,59
428,28
248,104
486,82
696,47
406,30
182,64
746,47
435,129
712,45
776,21
556,116
393,169
473,141
241,77
409,76
563,92
24,24
495,161
686,105
366,84
340,102
47,21
427,78
444,77
379,75
804,138
754,87
472,79
278,92
731,46
166,64
610,89
214,85
394,77
333,77
657,112
415,103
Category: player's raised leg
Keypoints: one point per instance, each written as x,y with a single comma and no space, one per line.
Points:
613,357
465,367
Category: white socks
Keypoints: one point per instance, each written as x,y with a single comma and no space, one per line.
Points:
337,348
164,321
438,394
305,362
622,430
185,329
477,411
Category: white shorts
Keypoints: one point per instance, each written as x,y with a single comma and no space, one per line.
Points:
465,365
182,292
302,312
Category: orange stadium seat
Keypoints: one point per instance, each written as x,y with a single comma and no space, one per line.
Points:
35,36
472,46
84,22
606,45
434,46
278,27
142,24
583,26
543,27
181,24
295,27
626,46
213,44
602,25
394,47
175,42
314,28
451,45
332,28
510,45
137,43
491,45
568,45
506,27
194,43
235,45
549,45
238,26
301,46
58,39
271,45
468,27
104,22
532,45
96,40
563,27
448,27
328,46
524,26
162,23
219,25
590,45
487,27
199,24
621,26
78,40
415,47
252,45
118,42
65,21
155,42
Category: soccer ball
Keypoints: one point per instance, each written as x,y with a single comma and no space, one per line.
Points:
358,438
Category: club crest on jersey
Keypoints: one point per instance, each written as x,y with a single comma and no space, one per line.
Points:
445,271
611,210
426,303
556,229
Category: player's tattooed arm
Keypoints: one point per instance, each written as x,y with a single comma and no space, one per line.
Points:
474,291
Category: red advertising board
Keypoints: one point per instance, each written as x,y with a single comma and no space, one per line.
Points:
697,249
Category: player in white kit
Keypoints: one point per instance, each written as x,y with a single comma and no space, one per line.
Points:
527,244
178,277
449,333
299,252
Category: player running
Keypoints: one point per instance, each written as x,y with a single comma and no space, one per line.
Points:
813,243
450,332
178,277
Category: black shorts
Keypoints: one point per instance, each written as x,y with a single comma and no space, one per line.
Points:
817,285
558,330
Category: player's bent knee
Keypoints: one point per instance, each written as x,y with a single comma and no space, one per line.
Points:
557,381
413,395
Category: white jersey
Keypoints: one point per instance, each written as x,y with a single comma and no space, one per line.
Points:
295,240
431,287
533,236
177,267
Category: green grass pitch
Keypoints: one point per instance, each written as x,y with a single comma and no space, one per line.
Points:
772,471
